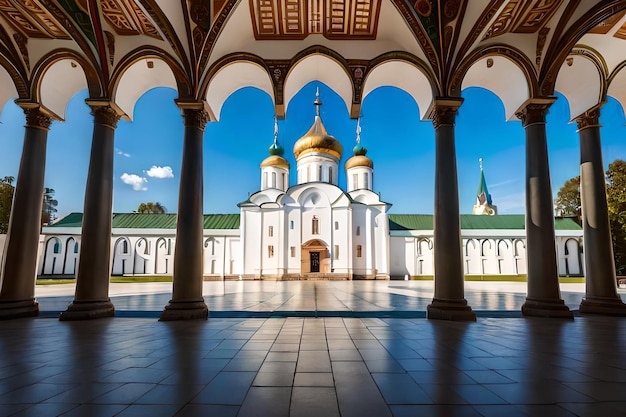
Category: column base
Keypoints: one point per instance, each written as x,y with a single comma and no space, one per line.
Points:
546,308
453,310
603,305
12,309
88,310
185,310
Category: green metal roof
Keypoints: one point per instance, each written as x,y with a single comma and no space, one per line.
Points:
396,221
153,221
470,221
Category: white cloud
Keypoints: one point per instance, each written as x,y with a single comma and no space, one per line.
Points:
121,152
160,172
137,182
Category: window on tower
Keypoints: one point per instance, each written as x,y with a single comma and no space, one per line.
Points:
270,251
320,173
359,251
265,180
273,180
336,251
292,251
358,230
270,231
330,174
355,181
315,226
366,180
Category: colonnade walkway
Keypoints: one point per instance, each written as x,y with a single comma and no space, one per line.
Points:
351,364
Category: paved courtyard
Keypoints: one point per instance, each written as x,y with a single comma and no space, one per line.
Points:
338,364
311,298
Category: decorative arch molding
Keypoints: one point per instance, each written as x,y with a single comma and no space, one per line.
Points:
295,78
583,63
507,56
559,50
402,71
220,83
18,79
617,84
53,88
125,89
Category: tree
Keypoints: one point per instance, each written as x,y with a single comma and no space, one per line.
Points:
568,203
6,199
155,208
616,200
48,210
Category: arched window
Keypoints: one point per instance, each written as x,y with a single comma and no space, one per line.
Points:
124,246
76,247
358,230
359,251
315,226
57,247
291,224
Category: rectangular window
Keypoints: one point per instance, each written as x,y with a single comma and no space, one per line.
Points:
292,251
270,251
315,226
270,231
291,224
336,225
359,251
336,251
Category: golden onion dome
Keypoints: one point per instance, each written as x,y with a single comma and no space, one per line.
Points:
275,161
359,161
317,140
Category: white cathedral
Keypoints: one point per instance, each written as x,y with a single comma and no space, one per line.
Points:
315,230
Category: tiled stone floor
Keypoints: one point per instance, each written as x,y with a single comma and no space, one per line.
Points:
313,367
308,366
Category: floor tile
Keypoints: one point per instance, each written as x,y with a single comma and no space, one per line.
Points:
267,402
314,402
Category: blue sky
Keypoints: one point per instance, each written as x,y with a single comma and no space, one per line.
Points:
149,149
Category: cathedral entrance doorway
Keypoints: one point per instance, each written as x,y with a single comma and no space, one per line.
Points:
315,261
315,258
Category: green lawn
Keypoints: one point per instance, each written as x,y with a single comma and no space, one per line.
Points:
116,279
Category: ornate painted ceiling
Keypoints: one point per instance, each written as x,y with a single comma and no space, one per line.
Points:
208,48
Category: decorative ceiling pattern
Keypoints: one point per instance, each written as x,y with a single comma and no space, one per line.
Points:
125,17
30,19
296,19
523,16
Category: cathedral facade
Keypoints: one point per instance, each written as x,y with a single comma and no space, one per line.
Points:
314,229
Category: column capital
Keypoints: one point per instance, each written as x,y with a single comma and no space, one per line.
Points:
37,116
106,112
443,110
590,118
196,113
534,110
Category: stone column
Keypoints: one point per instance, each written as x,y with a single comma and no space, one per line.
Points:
449,300
91,299
19,261
601,295
544,296
187,302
